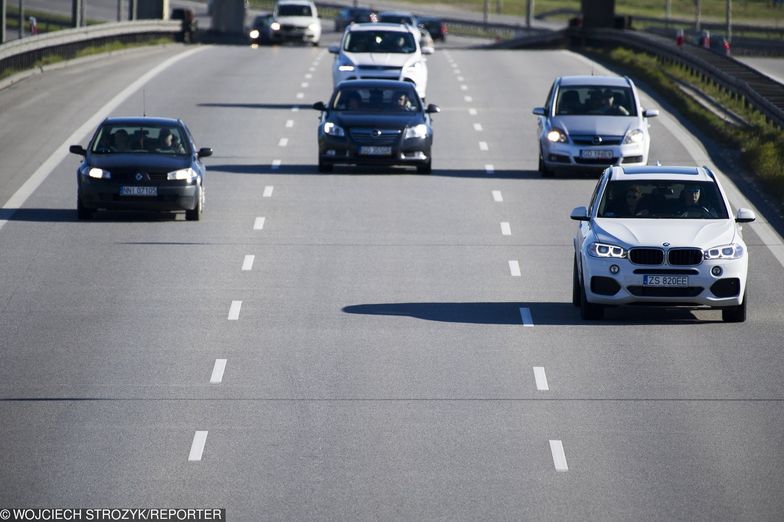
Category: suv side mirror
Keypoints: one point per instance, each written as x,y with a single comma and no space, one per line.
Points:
77,149
319,106
580,214
745,215
431,108
204,152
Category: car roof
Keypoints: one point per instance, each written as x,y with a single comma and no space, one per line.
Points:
374,26
609,81
141,120
294,2
392,84
397,13
662,173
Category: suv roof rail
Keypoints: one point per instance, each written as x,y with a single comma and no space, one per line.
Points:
709,172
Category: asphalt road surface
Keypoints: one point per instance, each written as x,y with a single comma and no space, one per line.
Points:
371,351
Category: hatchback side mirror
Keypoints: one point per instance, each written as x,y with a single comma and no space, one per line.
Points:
650,113
77,149
580,214
333,49
538,111
431,109
745,215
319,106
204,152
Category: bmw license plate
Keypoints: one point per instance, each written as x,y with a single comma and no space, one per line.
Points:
138,191
596,154
665,281
375,151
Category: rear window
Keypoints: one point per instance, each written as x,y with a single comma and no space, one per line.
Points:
662,200
113,139
379,42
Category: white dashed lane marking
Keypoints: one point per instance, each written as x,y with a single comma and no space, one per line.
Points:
483,145
283,142
304,85
478,127
525,316
559,457
234,310
497,197
258,224
289,124
247,263
468,99
275,164
268,191
514,267
300,95
472,112
506,229
295,109
197,447
541,378
217,371
489,169
308,76
464,87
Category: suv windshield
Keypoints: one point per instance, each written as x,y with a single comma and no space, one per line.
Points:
379,42
112,139
583,100
294,10
662,199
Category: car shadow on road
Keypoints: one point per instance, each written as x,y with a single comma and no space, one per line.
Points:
510,313
312,170
269,106
68,215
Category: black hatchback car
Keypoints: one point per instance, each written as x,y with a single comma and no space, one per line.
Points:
375,122
141,164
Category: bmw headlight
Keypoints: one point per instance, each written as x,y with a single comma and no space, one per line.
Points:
634,136
606,250
275,26
97,173
417,131
333,130
556,136
733,251
254,34
183,174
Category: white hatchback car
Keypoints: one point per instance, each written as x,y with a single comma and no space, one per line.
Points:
295,20
382,52
591,122
660,236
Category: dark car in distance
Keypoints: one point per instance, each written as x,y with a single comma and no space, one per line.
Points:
141,163
352,15
375,122
260,32
435,26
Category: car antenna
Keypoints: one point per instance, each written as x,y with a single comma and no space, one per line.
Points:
144,102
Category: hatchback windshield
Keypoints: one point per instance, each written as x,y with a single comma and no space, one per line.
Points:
294,10
128,138
379,42
662,199
595,100
376,100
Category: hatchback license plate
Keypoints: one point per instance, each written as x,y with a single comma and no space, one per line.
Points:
665,281
596,154
375,151
138,191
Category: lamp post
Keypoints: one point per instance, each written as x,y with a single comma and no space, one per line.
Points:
698,14
21,19
529,13
729,20
2,21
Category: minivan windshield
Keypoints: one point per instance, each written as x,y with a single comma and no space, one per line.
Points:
584,100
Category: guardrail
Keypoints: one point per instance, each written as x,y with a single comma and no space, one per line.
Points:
24,53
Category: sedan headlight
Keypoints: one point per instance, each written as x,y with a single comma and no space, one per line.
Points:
333,130
99,173
313,27
254,34
417,131
634,136
733,251
606,250
275,26
183,174
556,136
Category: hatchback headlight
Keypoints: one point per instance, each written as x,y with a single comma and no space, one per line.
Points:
606,250
275,26
345,67
634,136
313,27
417,131
182,175
733,251
333,130
556,136
97,173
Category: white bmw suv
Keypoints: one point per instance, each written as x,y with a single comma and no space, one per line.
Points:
382,52
660,236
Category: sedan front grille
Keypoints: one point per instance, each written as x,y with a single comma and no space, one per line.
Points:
685,256
375,136
130,176
590,139
646,256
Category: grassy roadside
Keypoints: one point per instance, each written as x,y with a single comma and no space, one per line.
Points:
761,146
87,51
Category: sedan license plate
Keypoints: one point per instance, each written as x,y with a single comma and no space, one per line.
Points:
138,191
375,151
596,154
665,281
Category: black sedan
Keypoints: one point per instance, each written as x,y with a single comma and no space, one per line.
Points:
375,122
141,164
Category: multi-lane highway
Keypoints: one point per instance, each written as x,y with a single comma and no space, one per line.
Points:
362,345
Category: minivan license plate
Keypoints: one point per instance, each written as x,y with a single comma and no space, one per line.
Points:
596,154
665,281
138,191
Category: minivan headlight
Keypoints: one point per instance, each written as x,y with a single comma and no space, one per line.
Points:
556,136
732,251
417,131
183,174
634,136
606,250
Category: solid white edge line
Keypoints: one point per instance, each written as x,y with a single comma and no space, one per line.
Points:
268,191
197,446
506,229
217,371
234,310
258,224
489,169
34,181
541,379
497,196
275,164
483,145
525,316
559,457
514,268
247,262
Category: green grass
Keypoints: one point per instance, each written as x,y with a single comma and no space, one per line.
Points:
761,145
